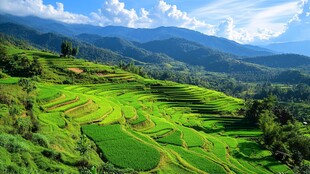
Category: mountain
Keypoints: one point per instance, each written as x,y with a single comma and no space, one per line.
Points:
299,47
53,41
177,48
197,54
139,35
281,61
125,48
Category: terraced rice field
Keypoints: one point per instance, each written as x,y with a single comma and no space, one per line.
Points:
157,126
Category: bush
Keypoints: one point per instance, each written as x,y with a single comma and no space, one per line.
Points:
3,75
51,154
12,143
40,140
23,125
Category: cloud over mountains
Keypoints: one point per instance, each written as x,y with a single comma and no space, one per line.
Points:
260,23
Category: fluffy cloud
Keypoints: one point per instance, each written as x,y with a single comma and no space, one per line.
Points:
298,27
260,23
37,8
228,30
169,15
114,12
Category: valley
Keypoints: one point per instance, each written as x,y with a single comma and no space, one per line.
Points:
137,123
81,98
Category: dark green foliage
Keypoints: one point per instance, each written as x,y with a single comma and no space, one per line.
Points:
108,168
295,93
196,54
27,85
13,143
293,77
281,133
75,51
256,107
130,67
83,146
67,49
281,61
20,65
269,127
40,140
303,169
52,154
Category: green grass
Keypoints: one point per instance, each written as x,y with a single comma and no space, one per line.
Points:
198,161
129,112
191,137
174,138
56,118
9,80
121,149
161,125
46,94
114,116
101,113
141,117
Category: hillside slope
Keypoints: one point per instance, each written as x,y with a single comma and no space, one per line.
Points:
196,54
53,41
131,122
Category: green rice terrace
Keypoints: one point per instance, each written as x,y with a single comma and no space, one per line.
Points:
147,125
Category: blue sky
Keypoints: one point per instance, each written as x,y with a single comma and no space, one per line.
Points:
245,21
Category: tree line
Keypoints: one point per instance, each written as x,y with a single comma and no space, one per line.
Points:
282,134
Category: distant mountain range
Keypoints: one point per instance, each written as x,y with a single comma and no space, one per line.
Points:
281,61
112,50
299,47
157,49
139,35
178,49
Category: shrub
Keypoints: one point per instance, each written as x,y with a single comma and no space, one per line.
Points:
51,154
40,140
12,143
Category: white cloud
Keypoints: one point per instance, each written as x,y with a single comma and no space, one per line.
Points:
169,15
259,20
114,12
298,27
228,30
37,8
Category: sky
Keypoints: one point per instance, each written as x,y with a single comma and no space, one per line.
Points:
244,21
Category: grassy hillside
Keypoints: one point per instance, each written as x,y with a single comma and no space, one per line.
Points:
131,122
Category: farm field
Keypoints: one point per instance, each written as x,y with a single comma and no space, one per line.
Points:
143,124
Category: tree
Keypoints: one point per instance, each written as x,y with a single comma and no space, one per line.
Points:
27,85
75,51
269,127
66,48
83,146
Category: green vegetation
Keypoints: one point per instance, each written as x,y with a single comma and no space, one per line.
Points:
122,149
80,117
